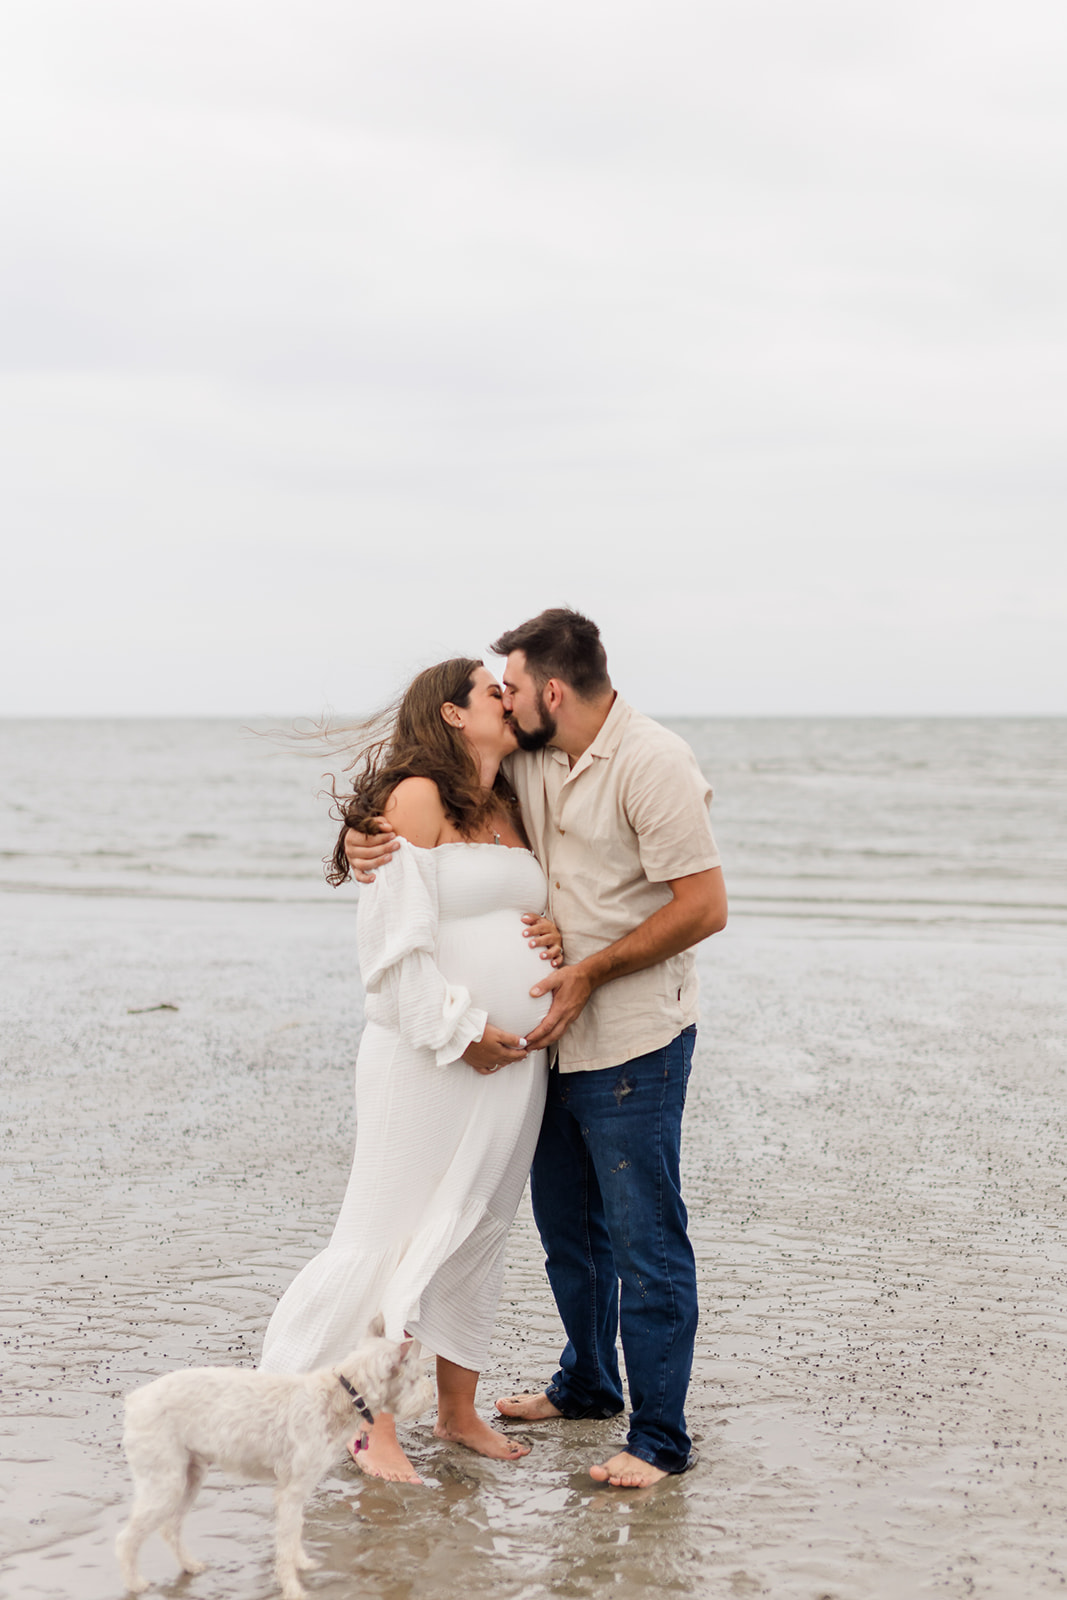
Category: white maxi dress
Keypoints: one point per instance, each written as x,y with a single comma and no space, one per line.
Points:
442,1152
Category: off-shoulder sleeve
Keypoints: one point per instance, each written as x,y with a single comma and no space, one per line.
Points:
396,936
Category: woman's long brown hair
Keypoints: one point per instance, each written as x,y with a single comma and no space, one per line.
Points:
413,740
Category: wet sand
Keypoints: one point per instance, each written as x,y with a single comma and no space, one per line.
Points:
876,1169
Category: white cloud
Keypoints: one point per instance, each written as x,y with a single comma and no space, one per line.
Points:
339,339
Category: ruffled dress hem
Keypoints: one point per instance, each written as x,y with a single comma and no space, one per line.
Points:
344,1288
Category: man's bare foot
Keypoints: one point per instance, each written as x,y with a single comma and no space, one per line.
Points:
479,1436
625,1471
528,1408
383,1458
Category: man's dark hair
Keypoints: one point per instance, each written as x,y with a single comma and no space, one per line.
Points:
560,644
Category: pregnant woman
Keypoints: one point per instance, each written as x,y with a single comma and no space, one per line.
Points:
448,1100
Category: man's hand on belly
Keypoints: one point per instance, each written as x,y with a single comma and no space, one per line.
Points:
570,989
697,908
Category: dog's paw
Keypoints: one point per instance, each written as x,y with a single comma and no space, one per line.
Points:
193,1567
306,1563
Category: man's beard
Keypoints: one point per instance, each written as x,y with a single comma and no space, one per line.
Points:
540,736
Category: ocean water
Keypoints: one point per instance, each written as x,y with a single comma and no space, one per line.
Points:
921,821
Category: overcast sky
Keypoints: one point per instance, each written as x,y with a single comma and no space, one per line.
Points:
340,336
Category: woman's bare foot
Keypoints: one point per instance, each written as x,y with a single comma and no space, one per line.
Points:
383,1458
625,1471
528,1408
478,1435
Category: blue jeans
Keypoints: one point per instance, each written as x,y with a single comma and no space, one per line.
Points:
608,1204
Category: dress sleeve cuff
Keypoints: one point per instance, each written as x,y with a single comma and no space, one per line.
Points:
471,1026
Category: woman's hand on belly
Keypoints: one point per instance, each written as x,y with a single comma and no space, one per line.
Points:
495,1049
542,934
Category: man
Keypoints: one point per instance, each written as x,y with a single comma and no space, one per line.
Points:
616,811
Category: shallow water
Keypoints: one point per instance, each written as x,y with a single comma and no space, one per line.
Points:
874,1161
931,822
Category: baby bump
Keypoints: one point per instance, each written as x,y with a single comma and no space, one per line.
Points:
490,957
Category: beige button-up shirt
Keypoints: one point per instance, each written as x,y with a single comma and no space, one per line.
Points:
610,832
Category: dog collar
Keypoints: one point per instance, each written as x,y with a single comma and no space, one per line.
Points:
357,1400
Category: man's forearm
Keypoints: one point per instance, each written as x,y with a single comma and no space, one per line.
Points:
684,921
697,908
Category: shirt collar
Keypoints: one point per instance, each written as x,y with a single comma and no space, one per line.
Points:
606,742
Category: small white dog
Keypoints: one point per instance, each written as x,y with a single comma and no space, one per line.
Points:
286,1427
